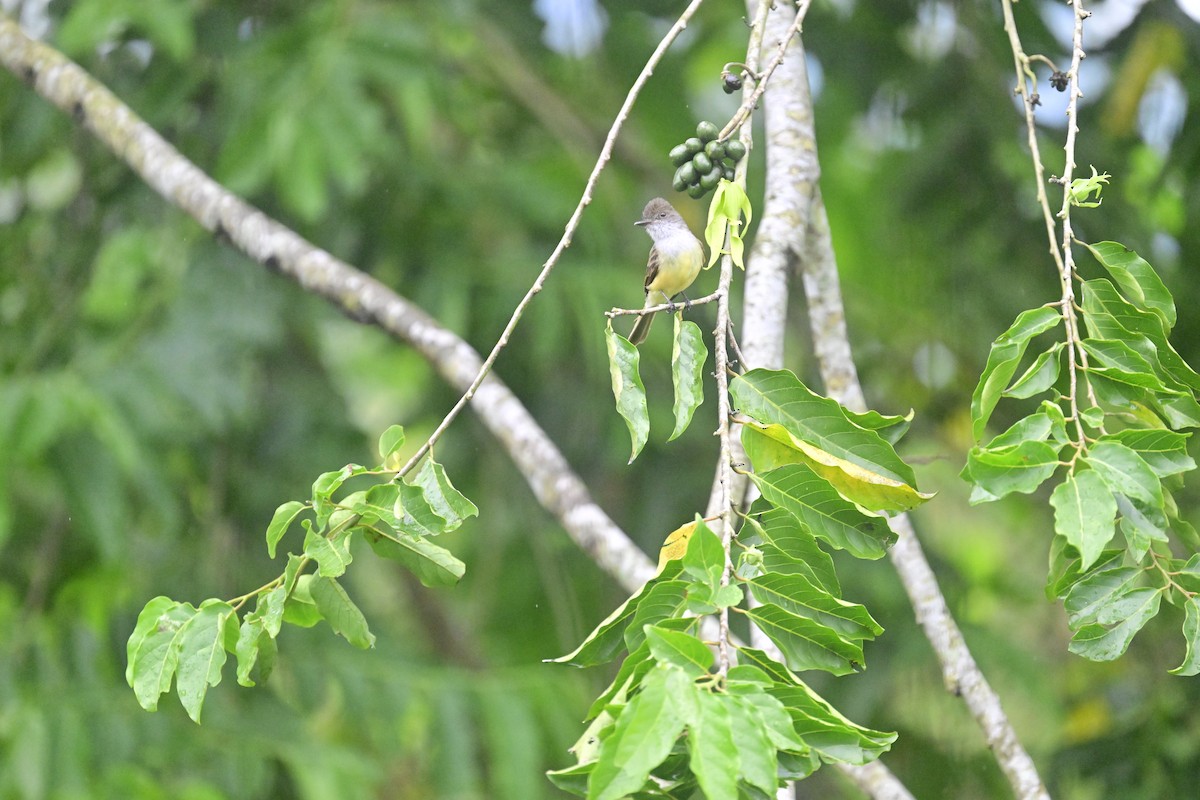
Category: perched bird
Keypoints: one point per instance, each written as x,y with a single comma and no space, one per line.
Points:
675,260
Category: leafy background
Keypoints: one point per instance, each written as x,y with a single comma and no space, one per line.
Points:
160,394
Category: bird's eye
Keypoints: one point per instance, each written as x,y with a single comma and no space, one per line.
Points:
662,215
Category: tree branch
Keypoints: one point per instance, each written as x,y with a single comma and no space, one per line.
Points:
356,294
792,172
960,673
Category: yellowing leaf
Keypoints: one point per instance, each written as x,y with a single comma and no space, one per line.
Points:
853,481
676,544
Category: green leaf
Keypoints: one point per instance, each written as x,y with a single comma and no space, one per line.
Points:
1003,358
269,608
433,565
152,656
1124,471
666,599
1137,279
819,724
603,643
642,737
820,429
256,640
680,649
377,504
1040,375
1037,427
891,427
416,515
1123,362
627,388
725,212
446,501
1191,637
791,549
326,484
1099,643
390,441
1107,315
771,446
797,595
572,780
343,616
1095,595
1164,451
824,512
201,644
757,763
1140,524
807,644
710,743
299,609
332,553
704,559
633,668
1017,468
247,649
280,522
688,356
1084,514
778,723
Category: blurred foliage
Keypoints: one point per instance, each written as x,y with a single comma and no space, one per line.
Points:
160,395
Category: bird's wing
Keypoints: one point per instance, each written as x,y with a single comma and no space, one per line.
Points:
651,269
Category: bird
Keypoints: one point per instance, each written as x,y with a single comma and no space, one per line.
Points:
675,260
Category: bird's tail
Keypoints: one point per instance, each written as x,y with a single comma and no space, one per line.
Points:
640,329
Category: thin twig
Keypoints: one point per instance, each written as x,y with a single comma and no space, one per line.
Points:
761,79
721,497
1059,251
568,233
672,307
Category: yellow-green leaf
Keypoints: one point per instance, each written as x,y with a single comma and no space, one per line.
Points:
854,482
628,390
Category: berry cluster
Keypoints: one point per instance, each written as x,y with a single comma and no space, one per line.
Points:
702,161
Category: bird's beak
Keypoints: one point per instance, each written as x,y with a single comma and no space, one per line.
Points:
642,222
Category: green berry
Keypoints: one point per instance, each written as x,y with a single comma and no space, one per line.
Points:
714,150
679,155
702,163
710,179
694,145
685,175
735,149
697,191
707,131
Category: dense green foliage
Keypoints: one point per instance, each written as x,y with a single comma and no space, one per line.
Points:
161,396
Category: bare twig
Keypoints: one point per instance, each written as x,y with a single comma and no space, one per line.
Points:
761,79
672,307
1060,251
568,233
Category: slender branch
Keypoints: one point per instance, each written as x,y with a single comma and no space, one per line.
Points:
791,187
672,307
726,485
960,672
568,233
735,487
1059,251
761,79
